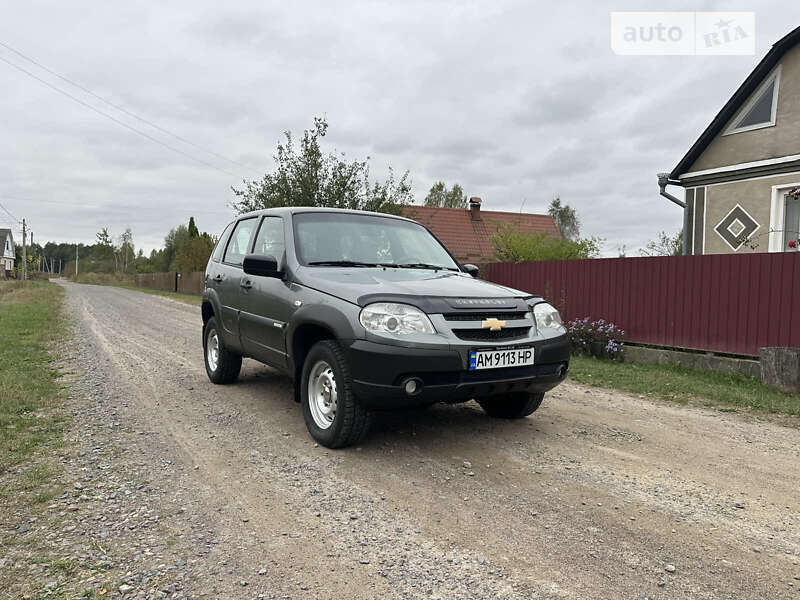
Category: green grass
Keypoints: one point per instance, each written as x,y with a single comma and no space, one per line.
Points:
726,391
30,415
185,298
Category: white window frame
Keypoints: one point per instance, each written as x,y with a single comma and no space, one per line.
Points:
777,220
774,76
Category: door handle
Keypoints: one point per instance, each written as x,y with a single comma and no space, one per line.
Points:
246,284
217,278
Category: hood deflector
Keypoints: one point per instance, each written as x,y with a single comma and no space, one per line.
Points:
435,305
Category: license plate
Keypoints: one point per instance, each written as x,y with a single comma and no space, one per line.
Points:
498,359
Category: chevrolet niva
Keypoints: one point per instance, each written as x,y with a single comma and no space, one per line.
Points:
368,311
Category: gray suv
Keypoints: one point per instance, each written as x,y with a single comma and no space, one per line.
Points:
368,311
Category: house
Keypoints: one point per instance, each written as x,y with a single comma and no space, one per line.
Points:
6,252
741,175
466,232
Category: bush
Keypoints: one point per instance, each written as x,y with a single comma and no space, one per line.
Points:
596,338
513,246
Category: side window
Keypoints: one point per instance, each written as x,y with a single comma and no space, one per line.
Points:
217,254
270,238
240,238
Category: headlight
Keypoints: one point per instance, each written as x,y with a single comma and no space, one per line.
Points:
399,319
547,317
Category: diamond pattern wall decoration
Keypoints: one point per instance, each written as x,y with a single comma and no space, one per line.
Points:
736,227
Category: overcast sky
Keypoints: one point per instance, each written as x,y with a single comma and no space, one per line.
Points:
513,100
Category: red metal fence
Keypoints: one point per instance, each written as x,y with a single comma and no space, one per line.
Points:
733,304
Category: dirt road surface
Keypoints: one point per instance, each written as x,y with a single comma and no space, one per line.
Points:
597,495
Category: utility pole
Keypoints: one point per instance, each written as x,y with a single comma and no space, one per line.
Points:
24,251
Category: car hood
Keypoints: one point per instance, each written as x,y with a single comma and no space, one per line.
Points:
415,286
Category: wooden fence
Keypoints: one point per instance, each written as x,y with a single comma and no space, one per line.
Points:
734,304
185,283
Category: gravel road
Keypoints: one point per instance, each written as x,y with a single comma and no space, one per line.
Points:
597,495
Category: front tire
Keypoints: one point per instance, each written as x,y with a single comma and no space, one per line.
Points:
333,415
512,406
222,365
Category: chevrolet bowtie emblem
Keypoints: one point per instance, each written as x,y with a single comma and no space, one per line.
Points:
493,324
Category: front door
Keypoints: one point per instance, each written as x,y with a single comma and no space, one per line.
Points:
267,302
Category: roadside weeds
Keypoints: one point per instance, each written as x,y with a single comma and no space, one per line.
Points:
126,282
724,391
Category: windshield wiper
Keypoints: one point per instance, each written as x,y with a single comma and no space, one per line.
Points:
421,266
340,263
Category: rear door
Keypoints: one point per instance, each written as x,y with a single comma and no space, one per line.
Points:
267,302
213,268
229,278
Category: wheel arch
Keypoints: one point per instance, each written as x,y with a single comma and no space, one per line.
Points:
303,338
207,310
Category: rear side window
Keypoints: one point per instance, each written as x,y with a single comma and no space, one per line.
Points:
239,242
217,254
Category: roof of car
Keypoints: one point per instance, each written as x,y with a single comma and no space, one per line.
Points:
293,210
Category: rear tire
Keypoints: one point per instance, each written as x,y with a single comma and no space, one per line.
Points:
222,365
512,406
333,415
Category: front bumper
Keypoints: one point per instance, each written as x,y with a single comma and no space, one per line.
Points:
380,370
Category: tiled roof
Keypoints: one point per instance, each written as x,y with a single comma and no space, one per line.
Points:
468,240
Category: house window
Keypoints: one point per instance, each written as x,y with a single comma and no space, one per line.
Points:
761,110
791,229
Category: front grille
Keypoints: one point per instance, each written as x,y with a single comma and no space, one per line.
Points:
506,316
487,335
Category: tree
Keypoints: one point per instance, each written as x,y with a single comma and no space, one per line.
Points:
172,242
511,245
193,231
193,253
103,249
305,176
566,219
664,245
104,237
125,249
440,196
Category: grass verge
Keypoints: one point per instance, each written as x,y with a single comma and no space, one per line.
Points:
126,282
185,298
684,385
32,421
30,415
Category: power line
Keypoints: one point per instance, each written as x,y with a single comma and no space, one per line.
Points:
9,214
117,121
128,206
123,109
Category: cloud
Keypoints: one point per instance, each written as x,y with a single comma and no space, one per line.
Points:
513,101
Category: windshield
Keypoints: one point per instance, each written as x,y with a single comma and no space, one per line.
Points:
366,240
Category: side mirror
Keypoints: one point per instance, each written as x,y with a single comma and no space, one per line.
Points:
262,265
471,269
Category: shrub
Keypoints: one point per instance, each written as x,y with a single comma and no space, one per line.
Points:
511,245
596,338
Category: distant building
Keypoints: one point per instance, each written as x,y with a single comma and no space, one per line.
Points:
466,232
742,174
6,252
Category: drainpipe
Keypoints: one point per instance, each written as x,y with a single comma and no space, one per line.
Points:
663,182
